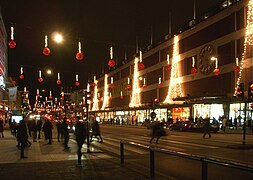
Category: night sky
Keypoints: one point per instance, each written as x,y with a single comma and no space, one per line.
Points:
97,24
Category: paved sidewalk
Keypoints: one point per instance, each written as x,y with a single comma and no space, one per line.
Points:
53,162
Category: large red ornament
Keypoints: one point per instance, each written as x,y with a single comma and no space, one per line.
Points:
94,84
12,44
46,51
128,86
144,85
168,67
111,86
159,86
121,97
193,70
251,87
79,56
21,76
77,83
111,63
237,69
40,79
58,81
216,71
50,97
141,66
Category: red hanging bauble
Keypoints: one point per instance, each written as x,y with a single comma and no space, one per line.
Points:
237,69
216,71
21,76
110,98
128,86
12,44
168,67
111,86
159,86
62,98
94,84
58,81
121,97
77,83
79,56
40,79
50,97
141,66
46,51
144,85
251,87
193,70
111,63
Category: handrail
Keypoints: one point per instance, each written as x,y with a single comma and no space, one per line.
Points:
204,160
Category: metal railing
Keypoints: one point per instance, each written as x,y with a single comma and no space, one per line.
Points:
203,160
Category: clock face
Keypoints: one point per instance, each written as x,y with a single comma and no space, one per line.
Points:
205,64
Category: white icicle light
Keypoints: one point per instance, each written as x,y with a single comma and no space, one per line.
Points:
111,52
76,77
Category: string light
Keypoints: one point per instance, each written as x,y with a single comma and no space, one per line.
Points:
95,97
106,94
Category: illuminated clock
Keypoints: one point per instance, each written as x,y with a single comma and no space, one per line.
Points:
205,64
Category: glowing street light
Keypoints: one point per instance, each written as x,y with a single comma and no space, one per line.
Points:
57,37
49,72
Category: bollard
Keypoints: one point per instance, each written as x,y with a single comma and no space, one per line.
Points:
121,153
204,169
152,163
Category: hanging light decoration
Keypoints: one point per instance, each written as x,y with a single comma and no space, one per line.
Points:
141,66
193,69
121,95
111,85
58,79
94,83
62,95
168,66
111,62
50,95
77,82
110,96
144,83
128,86
46,50
79,55
25,91
160,82
21,76
40,79
12,44
216,71
38,93
237,67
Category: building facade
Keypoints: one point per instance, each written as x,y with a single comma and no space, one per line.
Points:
195,73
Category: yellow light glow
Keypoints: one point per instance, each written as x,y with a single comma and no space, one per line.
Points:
106,93
49,71
95,97
57,37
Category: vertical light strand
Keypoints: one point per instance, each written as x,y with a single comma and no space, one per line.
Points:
106,93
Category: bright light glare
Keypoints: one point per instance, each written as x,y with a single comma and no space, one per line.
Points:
58,38
213,58
49,71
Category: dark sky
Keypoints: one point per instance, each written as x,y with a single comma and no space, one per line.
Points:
96,23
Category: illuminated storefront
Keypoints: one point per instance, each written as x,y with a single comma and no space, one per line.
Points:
208,110
181,113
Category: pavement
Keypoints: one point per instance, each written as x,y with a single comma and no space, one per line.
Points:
53,162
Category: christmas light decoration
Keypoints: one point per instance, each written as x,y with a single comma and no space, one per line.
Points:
58,79
193,69
25,90
79,55
141,66
50,95
111,85
247,42
77,82
128,86
111,62
12,44
62,95
216,71
168,66
144,83
46,50
106,94
174,86
21,76
135,98
110,96
95,82
159,82
38,93
40,79
121,95
95,98
237,67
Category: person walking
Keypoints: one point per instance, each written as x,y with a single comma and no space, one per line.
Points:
157,131
39,126
59,131
34,130
207,127
2,128
22,137
80,133
47,128
65,132
96,131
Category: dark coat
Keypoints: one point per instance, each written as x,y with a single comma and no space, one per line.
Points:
80,131
22,135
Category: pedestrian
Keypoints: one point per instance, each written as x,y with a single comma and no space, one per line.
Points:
80,133
65,132
96,131
207,127
224,123
2,128
22,137
34,130
157,131
59,131
39,126
47,128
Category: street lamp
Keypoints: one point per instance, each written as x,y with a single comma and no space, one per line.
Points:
57,37
49,72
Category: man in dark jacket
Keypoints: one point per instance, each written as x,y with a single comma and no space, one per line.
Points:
39,126
65,132
80,133
22,137
47,128
207,127
96,131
